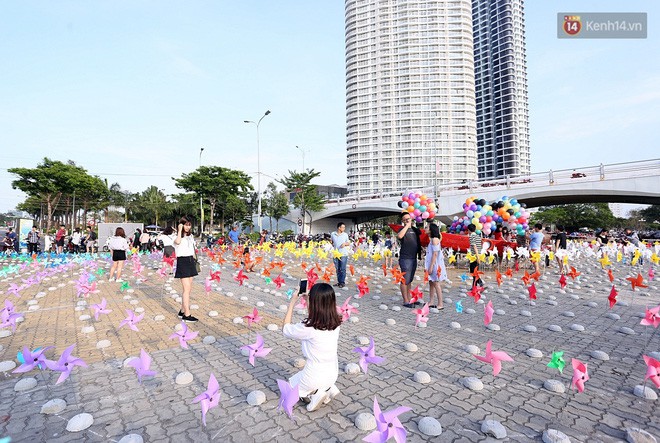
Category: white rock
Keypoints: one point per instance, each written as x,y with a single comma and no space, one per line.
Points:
213,313
592,304
87,329
272,327
534,353
260,304
245,352
283,307
208,340
613,316
555,328
429,426
131,438
54,406
396,308
255,398
139,310
645,392
455,325
525,313
600,355
410,347
354,319
80,422
352,368
134,302
7,365
238,320
555,436
626,330
25,384
500,312
577,327
229,294
383,307
493,327
422,377
102,344
636,435
472,383
243,298
554,386
184,378
363,340
529,328
470,311
390,322
493,428
471,349
513,302
365,421
159,317
568,314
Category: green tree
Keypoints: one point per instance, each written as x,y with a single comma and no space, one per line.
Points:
152,204
215,185
576,216
307,198
277,205
237,211
651,214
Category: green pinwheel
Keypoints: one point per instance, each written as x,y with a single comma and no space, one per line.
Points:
100,272
557,361
124,286
268,280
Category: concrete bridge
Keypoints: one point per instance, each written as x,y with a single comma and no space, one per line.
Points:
632,182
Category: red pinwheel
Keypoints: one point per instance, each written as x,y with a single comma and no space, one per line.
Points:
652,317
384,270
65,364
562,281
488,312
422,315
526,278
637,282
279,281
494,358
363,288
612,296
289,396
210,398
215,275
184,335
240,277
346,310
256,349
312,277
652,370
610,275
416,295
532,291
580,375
368,355
388,425
574,273
253,318
498,277
475,292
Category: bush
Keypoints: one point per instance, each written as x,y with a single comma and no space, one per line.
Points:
287,233
254,237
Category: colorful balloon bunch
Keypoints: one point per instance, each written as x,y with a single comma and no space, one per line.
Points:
505,212
420,206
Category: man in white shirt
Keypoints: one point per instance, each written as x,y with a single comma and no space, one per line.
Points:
341,244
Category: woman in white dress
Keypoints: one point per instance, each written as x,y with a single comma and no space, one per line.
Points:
319,334
434,264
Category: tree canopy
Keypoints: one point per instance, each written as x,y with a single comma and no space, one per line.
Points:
576,216
307,198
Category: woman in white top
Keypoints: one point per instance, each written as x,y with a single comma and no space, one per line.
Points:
319,334
434,264
184,245
166,240
76,238
118,245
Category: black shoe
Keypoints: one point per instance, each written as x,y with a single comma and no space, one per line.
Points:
417,303
408,305
341,285
180,314
189,318
433,307
337,284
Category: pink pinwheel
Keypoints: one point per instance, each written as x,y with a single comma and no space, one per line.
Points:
289,396
253,318
422,315
346,309
495,358
142,365
184,335
32,359
488,312
279,281
65,364
256,349
85,289
100,308
652,317
312,277
580,375
207,284
388,425
652,370
651,274
532,291
14,289
214,275
368,355
302,303
8,318
240,277
209,398
162,272
131,320
475,292
612,296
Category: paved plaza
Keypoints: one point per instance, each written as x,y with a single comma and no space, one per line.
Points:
576,320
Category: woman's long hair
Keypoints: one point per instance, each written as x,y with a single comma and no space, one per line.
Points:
322,308
184,221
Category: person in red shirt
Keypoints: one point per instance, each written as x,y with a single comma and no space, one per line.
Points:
59,239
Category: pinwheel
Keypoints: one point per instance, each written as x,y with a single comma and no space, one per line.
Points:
162,272
302,303
289,396
14,289
253,318
384,267
240,277
509,272
214,275
652,370
351,269
207,285
651,274
398,276
363,288
562,281
346,310
612,297
416,295
610,275
422,315
637,282
464,277
526,278
131,320
475,292
9,307
312,277
184,335
477,273
532,291
498,277
580,375
65,364
279,281
388,425
142,365
651,317
32,359
655,259
8,319
494,358
536,275
289,294
619,256
488,312
426,277
557,361
256,349
368,355
459,306
124,286
605,261
100,308
336,254
573,272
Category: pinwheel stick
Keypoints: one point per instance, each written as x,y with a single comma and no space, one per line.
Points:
41,371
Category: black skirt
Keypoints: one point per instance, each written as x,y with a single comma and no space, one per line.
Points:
118,255
185,267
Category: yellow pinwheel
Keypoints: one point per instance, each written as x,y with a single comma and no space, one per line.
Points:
636,256
452,259
336,254
565,260
655,259
535,256
491,259
471,257
551,255
376,257
619,256
605,260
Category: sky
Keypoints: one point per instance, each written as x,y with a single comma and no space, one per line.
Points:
132,90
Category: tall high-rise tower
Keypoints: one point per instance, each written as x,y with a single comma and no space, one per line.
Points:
410,97
501,88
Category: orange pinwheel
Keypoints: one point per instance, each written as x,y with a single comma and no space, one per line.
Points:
384,270
220,259
303,265
637,282
536,275
318,267
258,259
610,275
237,263
477,274
277,264
498,277
351,268
363,279
574,273
509,273
266,272
426,276
327,275
526,278
398,276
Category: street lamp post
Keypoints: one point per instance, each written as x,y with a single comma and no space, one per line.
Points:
303,155
258,168
201,205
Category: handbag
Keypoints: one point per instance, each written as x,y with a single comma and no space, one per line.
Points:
198,268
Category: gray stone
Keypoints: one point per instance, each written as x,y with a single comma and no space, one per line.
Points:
422,377
626,330
525,313
470,311
645,392
255,398
6,366
555,328
390,322
410,347
529,328
383,307
555,436
363,340
472,383
513,302
455,325
534,353
429,426
600,355
493,428
25,384
84,317
554,386
396,308
568,314
87,329
500,312
636,435
79,422
213,313
159,317
209,340
365,421
54,406
352,368
493,327
5,333
577,327
237,320
551,303
299,363
471,349
592,304
184,378
131,438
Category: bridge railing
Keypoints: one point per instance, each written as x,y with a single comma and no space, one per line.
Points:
587,174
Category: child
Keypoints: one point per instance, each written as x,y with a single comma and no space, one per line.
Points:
319,334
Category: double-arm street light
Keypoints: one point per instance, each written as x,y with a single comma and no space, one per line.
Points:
303,155
257,123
